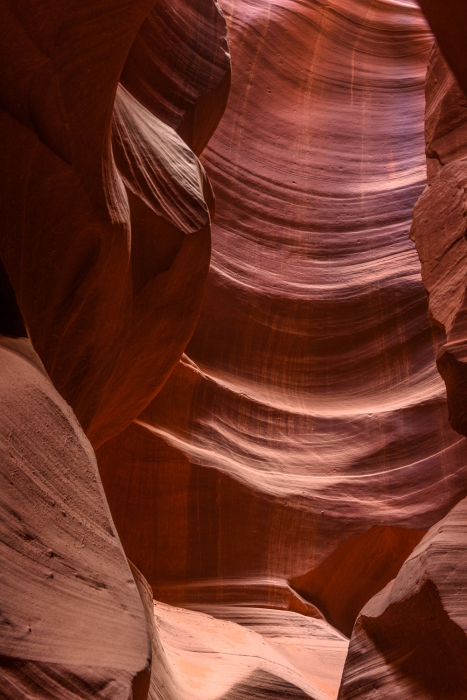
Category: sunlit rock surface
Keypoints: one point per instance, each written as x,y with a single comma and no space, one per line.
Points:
305,429
72,623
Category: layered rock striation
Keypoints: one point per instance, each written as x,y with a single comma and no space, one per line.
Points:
106,209
410,640
72,622
301,448
439,228
271,429
104,247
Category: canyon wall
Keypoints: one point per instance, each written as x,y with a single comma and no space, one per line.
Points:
261,389
105,248
301,448
410,640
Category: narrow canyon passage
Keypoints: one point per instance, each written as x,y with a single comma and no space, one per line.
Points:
233,350
301,448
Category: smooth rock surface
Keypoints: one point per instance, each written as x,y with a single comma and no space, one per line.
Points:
106,278
210,658
410,641
72,623
307,411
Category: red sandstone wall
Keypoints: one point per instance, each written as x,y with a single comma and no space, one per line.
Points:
272,431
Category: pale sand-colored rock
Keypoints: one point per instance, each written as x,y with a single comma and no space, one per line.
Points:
312,646
211,658
72,622
235,652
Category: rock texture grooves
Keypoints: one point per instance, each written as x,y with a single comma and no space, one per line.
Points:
439,228
411,639
306,425
104,247
270,427
72,623
449,22
107,189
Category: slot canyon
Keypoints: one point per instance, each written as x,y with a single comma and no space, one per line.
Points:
233,350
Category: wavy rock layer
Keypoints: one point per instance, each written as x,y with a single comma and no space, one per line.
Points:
411,639
101,191
72,623
307,413
105,247
208,653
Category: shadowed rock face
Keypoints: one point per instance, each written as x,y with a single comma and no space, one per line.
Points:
357,569
439,228
113,242
307,411
411,639
449,22
104,247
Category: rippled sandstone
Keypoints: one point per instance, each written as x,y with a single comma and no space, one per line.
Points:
276,476
105,247
72,622
410,640
110,253
301,448
439,227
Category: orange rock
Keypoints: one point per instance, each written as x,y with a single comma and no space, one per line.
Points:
97,256
307,415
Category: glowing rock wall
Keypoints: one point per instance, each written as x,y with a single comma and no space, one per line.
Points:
271,429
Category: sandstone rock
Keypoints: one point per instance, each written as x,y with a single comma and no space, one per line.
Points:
439,228
307,416
98,257
72,622
449,23
210,658
208,652
411,639
179,67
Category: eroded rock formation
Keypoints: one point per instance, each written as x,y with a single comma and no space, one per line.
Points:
439,228
273,436
105,248
100,257
72,622
411,639
306,426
